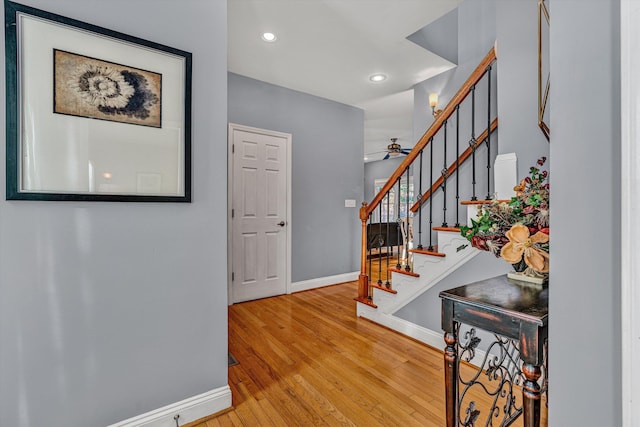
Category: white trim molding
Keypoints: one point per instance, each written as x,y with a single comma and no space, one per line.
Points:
320,282
189,410
630,206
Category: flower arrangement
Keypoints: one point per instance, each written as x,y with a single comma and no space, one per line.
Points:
517,231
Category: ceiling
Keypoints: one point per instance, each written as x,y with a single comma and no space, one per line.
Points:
330,48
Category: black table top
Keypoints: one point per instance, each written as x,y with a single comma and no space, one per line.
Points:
521,299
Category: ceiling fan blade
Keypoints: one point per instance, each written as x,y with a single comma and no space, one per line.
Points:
405,150
386,157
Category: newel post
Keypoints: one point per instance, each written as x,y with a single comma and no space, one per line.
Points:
363,279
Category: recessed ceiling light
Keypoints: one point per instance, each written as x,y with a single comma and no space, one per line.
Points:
378,77
366,158
269,37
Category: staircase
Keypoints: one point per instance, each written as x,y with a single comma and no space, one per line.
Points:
415,263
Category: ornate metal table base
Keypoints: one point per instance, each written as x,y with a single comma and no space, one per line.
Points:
517,316
498,377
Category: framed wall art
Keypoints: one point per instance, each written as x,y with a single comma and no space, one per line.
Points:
543,68
93,114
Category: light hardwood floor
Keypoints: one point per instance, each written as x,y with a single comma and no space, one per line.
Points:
306,360
377,268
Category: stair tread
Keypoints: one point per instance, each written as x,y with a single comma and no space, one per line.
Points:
434,252
451,229
403,271
383,288
366,301
483,202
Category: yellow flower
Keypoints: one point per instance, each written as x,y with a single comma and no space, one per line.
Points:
519,189
521,243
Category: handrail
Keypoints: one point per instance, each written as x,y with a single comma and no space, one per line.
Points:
364,287
464,156
448,111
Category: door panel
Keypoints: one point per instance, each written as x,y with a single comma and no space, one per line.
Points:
260,215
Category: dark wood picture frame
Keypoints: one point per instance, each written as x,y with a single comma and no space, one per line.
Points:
543,67
84,157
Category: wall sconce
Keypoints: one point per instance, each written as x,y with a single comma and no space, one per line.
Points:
433,103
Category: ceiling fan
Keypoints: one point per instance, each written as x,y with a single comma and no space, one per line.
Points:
394,149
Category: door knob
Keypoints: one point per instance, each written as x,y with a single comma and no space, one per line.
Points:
281,223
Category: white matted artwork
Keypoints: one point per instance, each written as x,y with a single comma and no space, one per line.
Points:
149,183
91,109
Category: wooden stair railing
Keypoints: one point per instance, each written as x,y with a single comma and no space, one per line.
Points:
364,287
463,157
462,93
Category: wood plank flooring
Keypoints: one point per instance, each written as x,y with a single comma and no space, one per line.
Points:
306,360
377,268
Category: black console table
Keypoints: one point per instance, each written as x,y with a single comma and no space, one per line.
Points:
517,314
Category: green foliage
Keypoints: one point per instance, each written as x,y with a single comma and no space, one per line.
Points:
529,207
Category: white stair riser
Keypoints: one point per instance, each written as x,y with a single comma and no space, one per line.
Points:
431,269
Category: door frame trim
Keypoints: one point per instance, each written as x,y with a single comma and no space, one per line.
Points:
630,201
287,136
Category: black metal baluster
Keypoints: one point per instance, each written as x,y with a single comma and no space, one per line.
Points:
489,132
380,245
472,142
420,206
430,194
399,220
407,230
387,283
369,243
444,178
457,165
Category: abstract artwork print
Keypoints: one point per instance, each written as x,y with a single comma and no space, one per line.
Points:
89,87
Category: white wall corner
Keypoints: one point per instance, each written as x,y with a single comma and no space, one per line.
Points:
505,173
189,410
630,203
320,282
472,213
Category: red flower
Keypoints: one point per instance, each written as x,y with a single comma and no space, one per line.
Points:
480,243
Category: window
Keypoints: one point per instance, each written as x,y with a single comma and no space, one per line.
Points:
391,202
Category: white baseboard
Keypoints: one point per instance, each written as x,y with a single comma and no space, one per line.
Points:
189,410
305,285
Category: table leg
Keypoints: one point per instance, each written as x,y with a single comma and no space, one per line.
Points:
451,377
531,395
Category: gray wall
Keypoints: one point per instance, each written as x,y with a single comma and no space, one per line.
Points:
440,36
327,146
584,286
110,310
517,32
476,36
377,170
426,309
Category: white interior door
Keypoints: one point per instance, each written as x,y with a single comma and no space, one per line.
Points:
259,213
